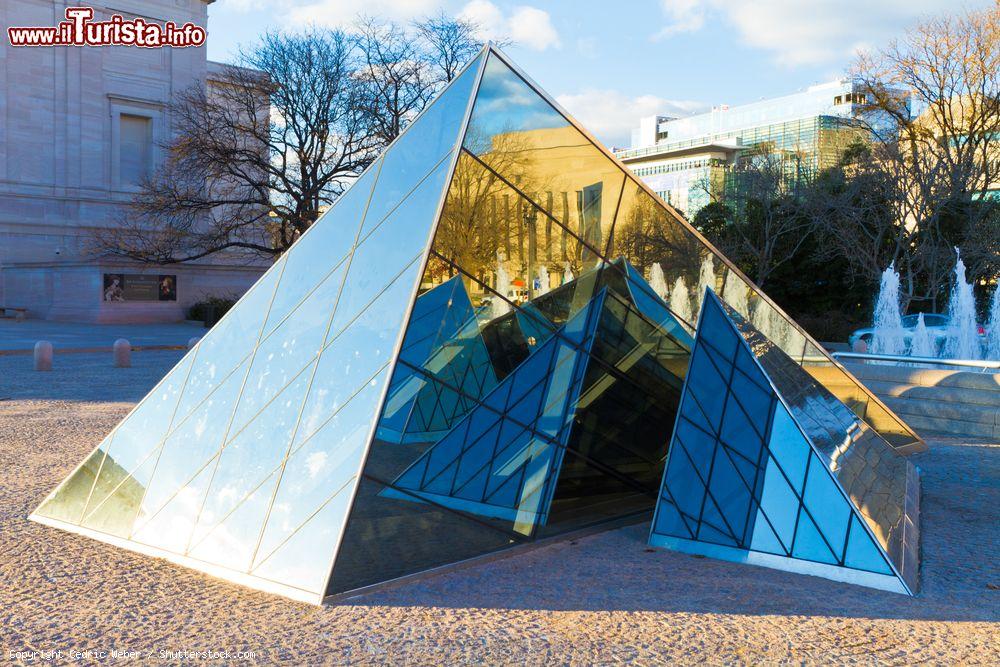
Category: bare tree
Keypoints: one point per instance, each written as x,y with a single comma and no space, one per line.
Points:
256,157
763,221
448,43
933,106
397,80
269,143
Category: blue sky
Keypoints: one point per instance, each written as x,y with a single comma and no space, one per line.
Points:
610,62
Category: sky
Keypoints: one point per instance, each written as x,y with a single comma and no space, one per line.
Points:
611,62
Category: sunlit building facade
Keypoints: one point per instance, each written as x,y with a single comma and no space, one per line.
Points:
484,343
687,160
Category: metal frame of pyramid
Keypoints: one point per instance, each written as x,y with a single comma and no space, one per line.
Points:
258,458
766,467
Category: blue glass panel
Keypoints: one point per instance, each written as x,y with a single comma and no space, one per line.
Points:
764,538
432,136
738,432
862,552
713,526
789,447
443,341
519,463
699,445
718,331
669,521
809,543
391,247
533,324
779,503
322,470
708,388
730,494
827,504
323,248
755,401
229,342
683,483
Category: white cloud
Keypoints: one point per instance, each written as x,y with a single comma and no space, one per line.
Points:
803,33
682,16
243,6
343,13
527,26
532,27
611,115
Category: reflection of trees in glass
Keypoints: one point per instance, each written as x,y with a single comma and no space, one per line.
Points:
645,233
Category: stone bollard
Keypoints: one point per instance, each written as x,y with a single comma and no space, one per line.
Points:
43,356
860,346
193,341
123,353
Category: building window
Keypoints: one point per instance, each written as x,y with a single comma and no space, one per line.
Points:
135,148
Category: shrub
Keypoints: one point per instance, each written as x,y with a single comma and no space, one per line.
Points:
213,307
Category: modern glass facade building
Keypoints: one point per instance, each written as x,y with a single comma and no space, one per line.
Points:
483,343
687,160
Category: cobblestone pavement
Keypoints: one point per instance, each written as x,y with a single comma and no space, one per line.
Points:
601,599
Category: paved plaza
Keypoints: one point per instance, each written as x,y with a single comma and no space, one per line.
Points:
23,335
600,599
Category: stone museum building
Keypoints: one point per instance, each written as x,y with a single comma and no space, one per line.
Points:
79,128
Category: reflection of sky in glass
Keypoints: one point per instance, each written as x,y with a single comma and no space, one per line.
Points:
505,103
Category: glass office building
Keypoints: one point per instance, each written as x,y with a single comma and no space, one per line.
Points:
483,343
689,161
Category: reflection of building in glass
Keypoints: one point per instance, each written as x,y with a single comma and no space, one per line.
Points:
686,160
767,467
484,342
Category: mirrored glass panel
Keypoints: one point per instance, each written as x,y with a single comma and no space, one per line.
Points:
426,142
325,247
520,137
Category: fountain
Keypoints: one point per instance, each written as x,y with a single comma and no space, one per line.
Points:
765,319
706,278
657,281
542,281
922,344
888,336
962,339
568,276
680,301
993,328
735,293
499,306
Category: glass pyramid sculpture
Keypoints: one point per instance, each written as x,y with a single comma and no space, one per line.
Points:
767,467
475,347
